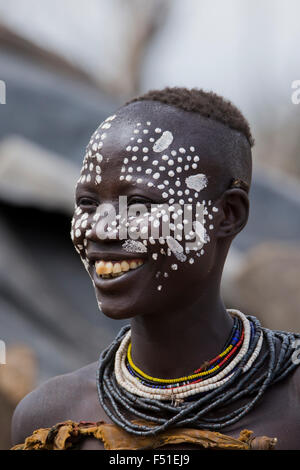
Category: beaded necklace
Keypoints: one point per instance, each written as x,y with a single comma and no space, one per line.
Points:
212,366
246,377
217,364
133,385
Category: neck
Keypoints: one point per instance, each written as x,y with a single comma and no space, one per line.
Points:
174,344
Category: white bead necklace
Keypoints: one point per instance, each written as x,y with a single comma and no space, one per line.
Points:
133,384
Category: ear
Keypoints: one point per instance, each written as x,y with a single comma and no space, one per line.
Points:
233,212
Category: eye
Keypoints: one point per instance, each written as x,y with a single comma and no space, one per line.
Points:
138,200
87,203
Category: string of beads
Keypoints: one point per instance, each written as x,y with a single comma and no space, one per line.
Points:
133,385
244,379
211,368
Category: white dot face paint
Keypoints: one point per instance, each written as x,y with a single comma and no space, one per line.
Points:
167,173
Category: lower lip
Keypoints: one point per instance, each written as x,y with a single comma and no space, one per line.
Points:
116,281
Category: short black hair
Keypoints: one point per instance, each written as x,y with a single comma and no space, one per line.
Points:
206,103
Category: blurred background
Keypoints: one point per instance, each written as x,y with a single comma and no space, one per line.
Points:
67,65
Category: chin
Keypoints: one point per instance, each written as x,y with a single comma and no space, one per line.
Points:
116,310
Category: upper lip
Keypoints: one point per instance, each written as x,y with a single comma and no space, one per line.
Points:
113,256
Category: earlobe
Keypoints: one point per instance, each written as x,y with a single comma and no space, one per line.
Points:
233,212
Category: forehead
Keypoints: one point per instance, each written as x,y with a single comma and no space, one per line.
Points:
147,136
140,124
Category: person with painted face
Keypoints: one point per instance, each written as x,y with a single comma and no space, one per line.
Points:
162,193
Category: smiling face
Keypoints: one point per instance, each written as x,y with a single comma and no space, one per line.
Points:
156,252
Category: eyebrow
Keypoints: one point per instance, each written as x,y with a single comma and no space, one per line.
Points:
86,187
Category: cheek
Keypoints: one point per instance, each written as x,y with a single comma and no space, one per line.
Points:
79,226
183,259
185,279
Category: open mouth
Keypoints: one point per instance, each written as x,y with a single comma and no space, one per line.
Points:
112,269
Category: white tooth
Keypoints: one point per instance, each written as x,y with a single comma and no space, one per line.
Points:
124,266
108,268
105,268
117,268
99,267
132,265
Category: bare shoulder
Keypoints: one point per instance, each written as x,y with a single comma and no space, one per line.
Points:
59,399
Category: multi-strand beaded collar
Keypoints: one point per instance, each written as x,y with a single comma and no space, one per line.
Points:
238,372
209,369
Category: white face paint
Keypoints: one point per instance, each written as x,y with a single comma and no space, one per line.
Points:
176,248
163,142
172,191
167,173
196,182
200,232
134,246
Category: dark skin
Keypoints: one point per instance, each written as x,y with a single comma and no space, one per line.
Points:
174,330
